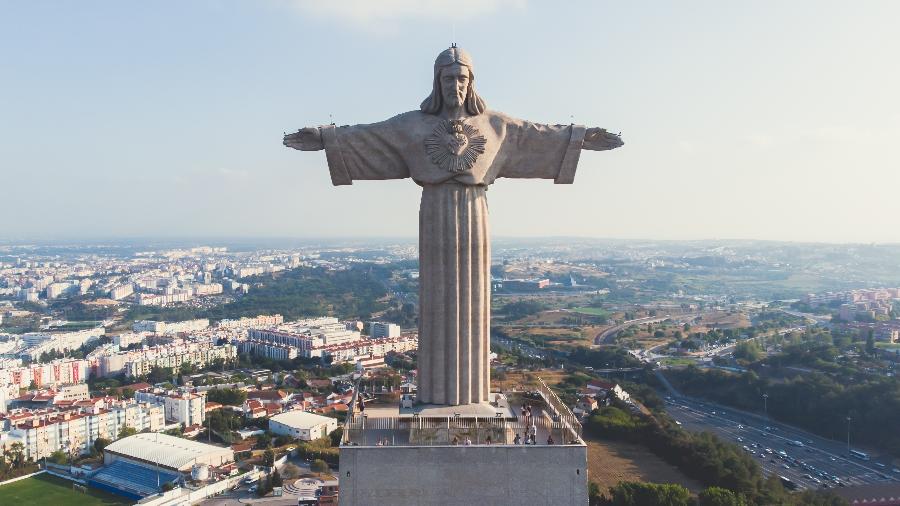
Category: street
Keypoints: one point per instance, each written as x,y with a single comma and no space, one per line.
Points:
809,461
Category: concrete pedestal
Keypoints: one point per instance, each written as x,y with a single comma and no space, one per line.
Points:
551,475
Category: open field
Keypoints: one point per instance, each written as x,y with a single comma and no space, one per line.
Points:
593,311
677,361
527,380
610,462
724,320
46,489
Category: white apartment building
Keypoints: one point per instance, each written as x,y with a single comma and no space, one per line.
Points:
127,339
380,329
74,431
138,363
268,350
58,372
184,408
41,342
121,291
170,328
246,322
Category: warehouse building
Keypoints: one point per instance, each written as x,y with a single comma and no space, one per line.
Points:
302,425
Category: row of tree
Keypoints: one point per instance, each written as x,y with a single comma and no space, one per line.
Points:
814,401
669,494
701,456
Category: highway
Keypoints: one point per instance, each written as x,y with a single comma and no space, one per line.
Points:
818,463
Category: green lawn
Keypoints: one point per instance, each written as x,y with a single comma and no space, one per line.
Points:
888,346
53,491
593,311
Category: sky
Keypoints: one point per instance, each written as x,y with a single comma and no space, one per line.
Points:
752,120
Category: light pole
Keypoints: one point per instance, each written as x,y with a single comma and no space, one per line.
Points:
766,404
848,435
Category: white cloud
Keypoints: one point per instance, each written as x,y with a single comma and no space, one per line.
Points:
383,15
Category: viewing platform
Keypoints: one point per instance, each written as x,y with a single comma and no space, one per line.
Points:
425,454
497,422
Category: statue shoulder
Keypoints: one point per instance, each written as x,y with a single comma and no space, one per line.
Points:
410,116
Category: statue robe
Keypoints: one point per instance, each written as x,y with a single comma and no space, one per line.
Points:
454,240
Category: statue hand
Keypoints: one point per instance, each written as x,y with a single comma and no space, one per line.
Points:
598,139
305,139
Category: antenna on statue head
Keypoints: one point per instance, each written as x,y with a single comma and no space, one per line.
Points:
331,118
453,33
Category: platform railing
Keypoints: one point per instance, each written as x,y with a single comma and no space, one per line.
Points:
561,411
345,437
362,430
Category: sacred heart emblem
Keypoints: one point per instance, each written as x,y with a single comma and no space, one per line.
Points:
454,145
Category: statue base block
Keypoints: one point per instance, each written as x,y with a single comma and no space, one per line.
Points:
452,475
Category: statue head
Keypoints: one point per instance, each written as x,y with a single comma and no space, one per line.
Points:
454,83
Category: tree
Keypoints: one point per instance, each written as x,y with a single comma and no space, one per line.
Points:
100,443
227,396
263,441
319,466
127,431
747,350
128,393
870,342
291,471
336,436
264,487
276,479
717,496
269,457
628,493
159,374
59,457
17,452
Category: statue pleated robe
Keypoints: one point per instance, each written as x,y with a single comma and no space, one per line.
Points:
453,161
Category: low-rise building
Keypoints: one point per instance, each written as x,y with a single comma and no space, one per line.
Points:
302,425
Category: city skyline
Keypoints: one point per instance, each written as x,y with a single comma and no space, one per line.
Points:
740,122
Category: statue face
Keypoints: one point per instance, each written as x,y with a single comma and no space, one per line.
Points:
454,85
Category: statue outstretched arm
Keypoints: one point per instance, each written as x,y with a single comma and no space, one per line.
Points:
357,152
598,139
305,139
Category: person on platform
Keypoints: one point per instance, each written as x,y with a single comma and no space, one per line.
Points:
517,440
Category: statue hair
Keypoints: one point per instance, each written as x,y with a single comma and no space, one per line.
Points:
474,104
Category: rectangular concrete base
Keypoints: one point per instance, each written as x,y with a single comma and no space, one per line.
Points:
552,475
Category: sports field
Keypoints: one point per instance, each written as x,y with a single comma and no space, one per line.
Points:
50,490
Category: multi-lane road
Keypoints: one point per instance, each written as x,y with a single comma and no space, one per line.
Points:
818,463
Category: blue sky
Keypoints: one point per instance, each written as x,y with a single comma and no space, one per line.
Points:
766,120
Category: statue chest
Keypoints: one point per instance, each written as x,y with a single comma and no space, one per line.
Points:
458,150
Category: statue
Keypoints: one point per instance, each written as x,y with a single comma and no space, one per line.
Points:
453,147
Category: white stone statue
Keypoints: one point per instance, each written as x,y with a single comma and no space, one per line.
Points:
453,147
